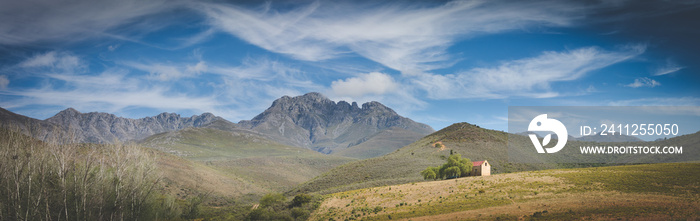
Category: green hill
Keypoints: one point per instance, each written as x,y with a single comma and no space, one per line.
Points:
245,156
380,144
404,165
647,192
476,143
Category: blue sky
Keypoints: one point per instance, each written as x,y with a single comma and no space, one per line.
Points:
437,62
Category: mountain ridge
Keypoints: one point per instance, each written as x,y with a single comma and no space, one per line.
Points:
99,127
311,121
316,122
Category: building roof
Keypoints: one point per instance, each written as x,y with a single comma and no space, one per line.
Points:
478,163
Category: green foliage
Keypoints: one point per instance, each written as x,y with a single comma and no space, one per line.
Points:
301,199
300,213
429,173
194,206
272,199
456,166
274,206
452,172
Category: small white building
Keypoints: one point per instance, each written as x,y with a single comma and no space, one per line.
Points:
481,168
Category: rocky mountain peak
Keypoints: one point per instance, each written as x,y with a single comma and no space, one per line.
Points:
374,106
97,127
314,121
69,112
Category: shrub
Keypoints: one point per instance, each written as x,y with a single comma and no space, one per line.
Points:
271,199
301,199
300,213
456,166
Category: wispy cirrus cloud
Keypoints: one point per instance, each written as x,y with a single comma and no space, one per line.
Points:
169,72
46,20
113,90
527,77
400,37
668,68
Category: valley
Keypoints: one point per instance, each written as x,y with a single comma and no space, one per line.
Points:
349,162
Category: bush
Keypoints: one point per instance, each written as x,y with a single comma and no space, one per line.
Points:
300,213
271,199
456,166
301,199
429,173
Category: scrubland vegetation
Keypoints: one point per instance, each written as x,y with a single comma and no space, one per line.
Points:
60,180
651,191
54,181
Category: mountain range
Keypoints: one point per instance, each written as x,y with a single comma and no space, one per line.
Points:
314,121
97,127
310,121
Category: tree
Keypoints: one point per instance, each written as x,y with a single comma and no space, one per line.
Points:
301,199
429,173
456,166
453,172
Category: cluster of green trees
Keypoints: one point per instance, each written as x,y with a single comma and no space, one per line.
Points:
62,181
274,206
455,167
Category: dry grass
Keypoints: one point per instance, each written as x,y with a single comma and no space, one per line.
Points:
551,194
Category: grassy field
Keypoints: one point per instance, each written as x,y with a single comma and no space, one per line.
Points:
380,144
404,165
651,191
239,163
475,143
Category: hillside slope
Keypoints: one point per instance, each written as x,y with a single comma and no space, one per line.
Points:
471,141
246,155
380,144
39,129
647,192
404,165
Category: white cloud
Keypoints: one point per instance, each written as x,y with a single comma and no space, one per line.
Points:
528,77
111,91
374,83
47,20
113,47
670,67
643,82
169,72
61,61
401,37
4,82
